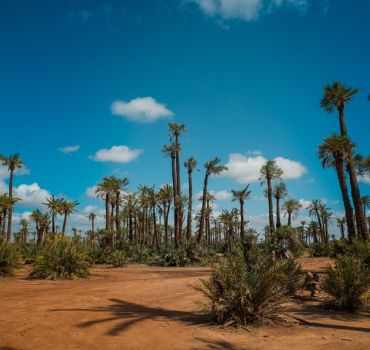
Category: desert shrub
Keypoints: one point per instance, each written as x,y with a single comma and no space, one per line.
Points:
320,249
28,252
287,236
98,254
247,288
9,259
347,282
117,258
61,258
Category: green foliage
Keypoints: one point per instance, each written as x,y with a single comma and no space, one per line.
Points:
61,258
9,259
28,252
248,288
347,282
117,258
320,249
359,249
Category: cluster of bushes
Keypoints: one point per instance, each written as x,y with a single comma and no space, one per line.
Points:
249,286
9,259
61,258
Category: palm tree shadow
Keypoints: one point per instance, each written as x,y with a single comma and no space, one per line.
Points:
217,345
130,314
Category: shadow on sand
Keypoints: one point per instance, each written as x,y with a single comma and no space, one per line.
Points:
130,314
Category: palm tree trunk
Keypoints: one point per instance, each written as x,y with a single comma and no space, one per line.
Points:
271,213
190,206
53,223
289,218
201,222
242,220
356,197
10,214
92,225
64,223
107,218
278,221
174,185
118,226
178,187
346,200
342,123
319,221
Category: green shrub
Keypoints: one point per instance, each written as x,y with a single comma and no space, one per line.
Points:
320,249
117,258
347,282
9,259
61,258
28,252
248,288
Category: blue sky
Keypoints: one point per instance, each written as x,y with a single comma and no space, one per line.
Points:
245,76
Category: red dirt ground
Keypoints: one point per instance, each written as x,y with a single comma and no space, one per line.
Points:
141,307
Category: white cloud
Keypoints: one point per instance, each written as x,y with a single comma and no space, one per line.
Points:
116,154
31,195
364,179
4,172
305,203
93,209
246,169
69,149
219,195
247,10
141,109
91,192
254,152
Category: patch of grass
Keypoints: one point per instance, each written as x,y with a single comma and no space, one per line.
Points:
9,259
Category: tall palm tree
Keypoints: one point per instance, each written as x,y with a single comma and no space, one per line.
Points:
190,164
326,217
241,196
54,207
279,192
172,150
335,97
13,162
333,153
212,168
340,223
67,208
24,223
92,218
292,207
5,203
269,172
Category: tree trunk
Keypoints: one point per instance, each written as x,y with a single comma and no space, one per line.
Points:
356,197
278,221
271,213
64,223
242,220
190,206
201,223
174,185
339,165
118,224
289,218
107,218
10,214
342,123
178,187
53,223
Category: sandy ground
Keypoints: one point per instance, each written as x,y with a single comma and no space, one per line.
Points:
139,307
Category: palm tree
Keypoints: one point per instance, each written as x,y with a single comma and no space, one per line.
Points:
190,164
336,96
92,218
326,216
365,203
340,223
13,162
212,168
269,172
241,196
292,207
172,150
43,224
279,192
165,196
314,208
24,229
118,185
54,207
5,204
36,216
67,208
333,153
104,190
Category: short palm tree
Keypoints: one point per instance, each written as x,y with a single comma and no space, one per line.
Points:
279,192
67,208
340,223
92,218
54,207
292,207
13,162
104,190
269,172
241,196
165,197
212,168
314,209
